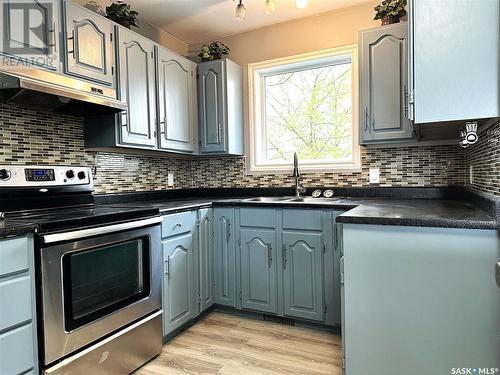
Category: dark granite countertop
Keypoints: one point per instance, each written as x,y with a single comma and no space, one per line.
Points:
15,228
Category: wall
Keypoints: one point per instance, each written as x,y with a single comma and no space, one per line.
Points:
32,137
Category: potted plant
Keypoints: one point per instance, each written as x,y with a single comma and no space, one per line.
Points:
213,51
390,11
120,13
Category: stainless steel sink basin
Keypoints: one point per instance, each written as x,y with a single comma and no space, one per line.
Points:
266,199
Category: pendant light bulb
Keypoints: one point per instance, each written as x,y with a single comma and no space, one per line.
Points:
241,12
269,7
301,4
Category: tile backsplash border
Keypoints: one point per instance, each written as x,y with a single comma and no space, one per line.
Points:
35,137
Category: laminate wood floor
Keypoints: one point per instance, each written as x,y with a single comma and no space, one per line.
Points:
229,345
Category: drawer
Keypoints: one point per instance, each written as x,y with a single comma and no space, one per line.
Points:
257,217
302,219
15,299
16,350
14,255
179,223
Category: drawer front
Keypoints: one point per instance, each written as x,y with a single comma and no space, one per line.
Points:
180,223
16,350
257,217
13,255
302,219
15,299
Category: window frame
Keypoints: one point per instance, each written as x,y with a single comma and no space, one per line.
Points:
256,94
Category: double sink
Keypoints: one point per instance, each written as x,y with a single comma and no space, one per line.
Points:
308,200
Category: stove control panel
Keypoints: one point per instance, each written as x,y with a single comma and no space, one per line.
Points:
12,176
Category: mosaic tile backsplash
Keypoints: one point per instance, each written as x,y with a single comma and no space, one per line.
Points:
32,137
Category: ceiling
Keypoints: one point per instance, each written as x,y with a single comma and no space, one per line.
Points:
201,20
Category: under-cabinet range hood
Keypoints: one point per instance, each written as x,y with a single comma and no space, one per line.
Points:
39,89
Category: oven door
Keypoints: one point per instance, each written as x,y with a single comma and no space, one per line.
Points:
97,284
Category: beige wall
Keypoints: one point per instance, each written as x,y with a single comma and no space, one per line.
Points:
327,30
149,31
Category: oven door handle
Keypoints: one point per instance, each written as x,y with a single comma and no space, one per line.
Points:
90,232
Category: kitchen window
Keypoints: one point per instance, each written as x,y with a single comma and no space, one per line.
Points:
307,104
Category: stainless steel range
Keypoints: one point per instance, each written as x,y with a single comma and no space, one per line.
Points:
100,272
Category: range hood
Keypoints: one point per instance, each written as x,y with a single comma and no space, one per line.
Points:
39,89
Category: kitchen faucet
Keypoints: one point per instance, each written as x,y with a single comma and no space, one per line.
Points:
299,189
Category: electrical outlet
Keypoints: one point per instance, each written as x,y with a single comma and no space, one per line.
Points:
471,174
170,179
374,175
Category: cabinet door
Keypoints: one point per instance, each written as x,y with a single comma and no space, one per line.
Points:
211,99
178,286
137,89
225,263
258,269
177,99
88,44
30,32
383,84
206,259
303,274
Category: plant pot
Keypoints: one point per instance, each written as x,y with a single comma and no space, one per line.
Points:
126,24
387,20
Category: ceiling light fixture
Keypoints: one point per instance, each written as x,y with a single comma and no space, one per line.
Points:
270,7
241,12
301,4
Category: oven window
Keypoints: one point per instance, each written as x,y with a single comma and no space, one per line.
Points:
104,279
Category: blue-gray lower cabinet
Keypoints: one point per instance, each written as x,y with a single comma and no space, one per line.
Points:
225,257
18,341
206,258
427,294
258,269
303,274
179,282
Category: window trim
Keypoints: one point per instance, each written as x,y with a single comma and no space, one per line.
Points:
256,112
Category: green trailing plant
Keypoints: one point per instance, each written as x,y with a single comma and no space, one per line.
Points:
213,51
121,13
394,9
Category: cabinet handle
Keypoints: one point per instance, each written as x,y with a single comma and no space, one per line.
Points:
284,256
54,39
167,267
178,225
406,104
72,38
497,273
269,255
219,136
228,231
366,118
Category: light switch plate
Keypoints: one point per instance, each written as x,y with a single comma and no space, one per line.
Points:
374,175
170,179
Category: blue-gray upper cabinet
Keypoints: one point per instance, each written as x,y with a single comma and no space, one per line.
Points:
137,88
179,281
88,44
177,102
38,46
303,274
454,63
383,80
225,257
258,269
206,258
220,107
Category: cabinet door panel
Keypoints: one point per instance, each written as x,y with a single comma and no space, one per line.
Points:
176,96
38,45
384,76
137,89
258,269
303,274
89,49
178,282
224,250
211,107
206,259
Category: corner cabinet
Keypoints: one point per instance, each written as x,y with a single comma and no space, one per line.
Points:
136,63
176,102
384,111
220,108
42,49
454,62
88,45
